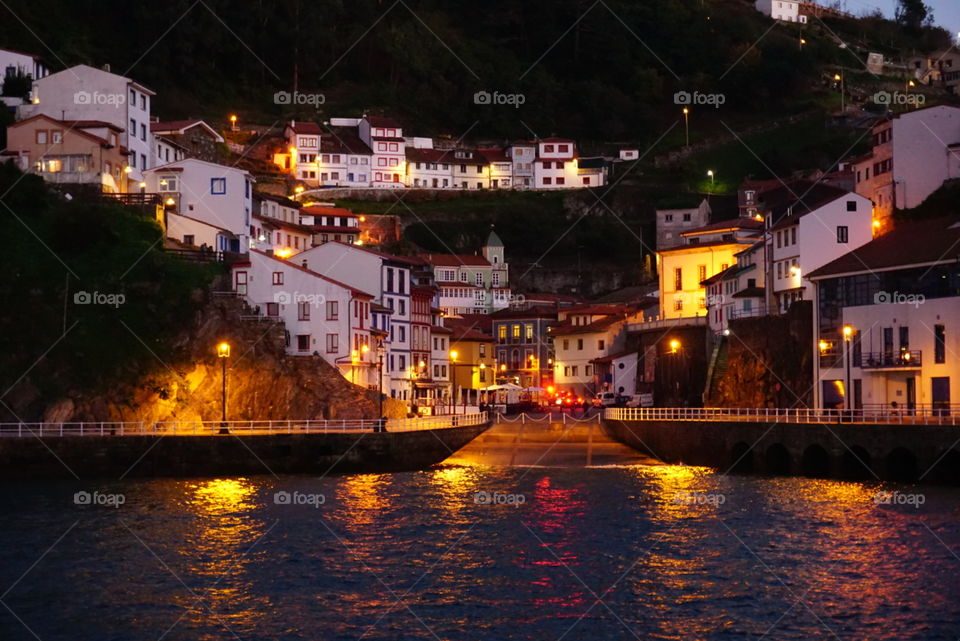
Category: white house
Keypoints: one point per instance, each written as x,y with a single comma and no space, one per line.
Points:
556,164
913,154
783,10
472,284
887,323
522,154
276,226
14,63
429,168
739,291
384,137
387,278
218,195
87,93
823,225
321,316
585,335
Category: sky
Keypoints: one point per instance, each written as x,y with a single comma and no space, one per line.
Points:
946,13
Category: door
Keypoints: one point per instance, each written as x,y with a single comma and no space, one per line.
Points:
911,394
941,395
888,346
240,283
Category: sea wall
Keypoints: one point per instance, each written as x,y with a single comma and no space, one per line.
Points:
215,455
833,450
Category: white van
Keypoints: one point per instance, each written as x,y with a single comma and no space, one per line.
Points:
605,399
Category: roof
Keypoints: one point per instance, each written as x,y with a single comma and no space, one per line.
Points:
283,200
818,196
77,130
408,260
481,322
92,124
383,122
716,243
567,328
344,140
388,138
455,260
308,128
718,276
283,224
467,329
202,222
493,154
292,264
493,240
751,292
318,210
594,308
555,139
734,224
918,243
612,357
181,126
535,311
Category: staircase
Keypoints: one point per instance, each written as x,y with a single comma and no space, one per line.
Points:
719,361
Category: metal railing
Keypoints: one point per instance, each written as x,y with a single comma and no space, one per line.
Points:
239,428
928,415
881,360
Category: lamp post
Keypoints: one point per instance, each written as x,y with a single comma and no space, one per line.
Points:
847,343
686,123
223,353
843,97
233,123
675,351
454,354
381,423
712,177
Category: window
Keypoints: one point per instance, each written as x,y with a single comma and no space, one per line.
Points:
501,333
586,180
561,181
41,136
701,273
496,275
56,137
851,205
939,344
580,344
333,343
668,218
566,344
793,236
601,344
548,181
478,279
273,309
303,311
575,370
843,234
528,332
218,186
278,278
143,131
686,218
678,279
678,304
516,332
303,342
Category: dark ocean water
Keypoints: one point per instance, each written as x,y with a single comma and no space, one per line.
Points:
616,552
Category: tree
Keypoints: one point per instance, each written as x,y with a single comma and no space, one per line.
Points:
913,15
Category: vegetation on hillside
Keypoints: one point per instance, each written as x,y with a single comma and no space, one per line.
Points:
597,71
91,297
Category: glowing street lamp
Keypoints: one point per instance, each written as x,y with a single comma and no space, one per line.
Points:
223,353
674,346
843,91
686,123
712,177
233,123
847,339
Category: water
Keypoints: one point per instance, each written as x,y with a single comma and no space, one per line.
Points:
620,550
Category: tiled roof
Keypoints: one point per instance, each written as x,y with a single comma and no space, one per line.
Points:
308,128
750,292
455,260
343,140
567,328
493,154
293,264
732,224
919,243
383,122
555,139
283,200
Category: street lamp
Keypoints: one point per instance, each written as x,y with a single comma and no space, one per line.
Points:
454,355
223,353
712,177
847,342
843,98
686,123
674,346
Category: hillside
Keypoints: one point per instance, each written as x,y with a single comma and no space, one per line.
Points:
602,72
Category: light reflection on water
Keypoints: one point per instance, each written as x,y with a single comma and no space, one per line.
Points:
407,556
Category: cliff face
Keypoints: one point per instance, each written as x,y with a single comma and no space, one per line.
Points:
262,381
770,362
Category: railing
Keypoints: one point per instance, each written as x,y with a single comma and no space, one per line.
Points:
239,428
882,360
927,415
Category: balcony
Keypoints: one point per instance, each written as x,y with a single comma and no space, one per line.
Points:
907,359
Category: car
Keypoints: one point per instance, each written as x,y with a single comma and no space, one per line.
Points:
605,399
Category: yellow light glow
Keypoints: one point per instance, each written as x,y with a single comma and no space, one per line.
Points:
223,350
363,219
847,332
293,150
143,185
233,119
358,242
482,366
422,364
170,201
758,218
127,169
298,189
836,77
453,355
503,367
365,349
286,252
824,345
354,356
685,111
794,270
876,223
674,345
551,389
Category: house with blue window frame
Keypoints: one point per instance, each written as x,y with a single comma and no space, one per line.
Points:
388,278
205,203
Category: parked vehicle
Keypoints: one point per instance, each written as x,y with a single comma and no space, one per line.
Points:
605,399
639,400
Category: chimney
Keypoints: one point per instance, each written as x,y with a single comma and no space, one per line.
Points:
106,67
303,264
